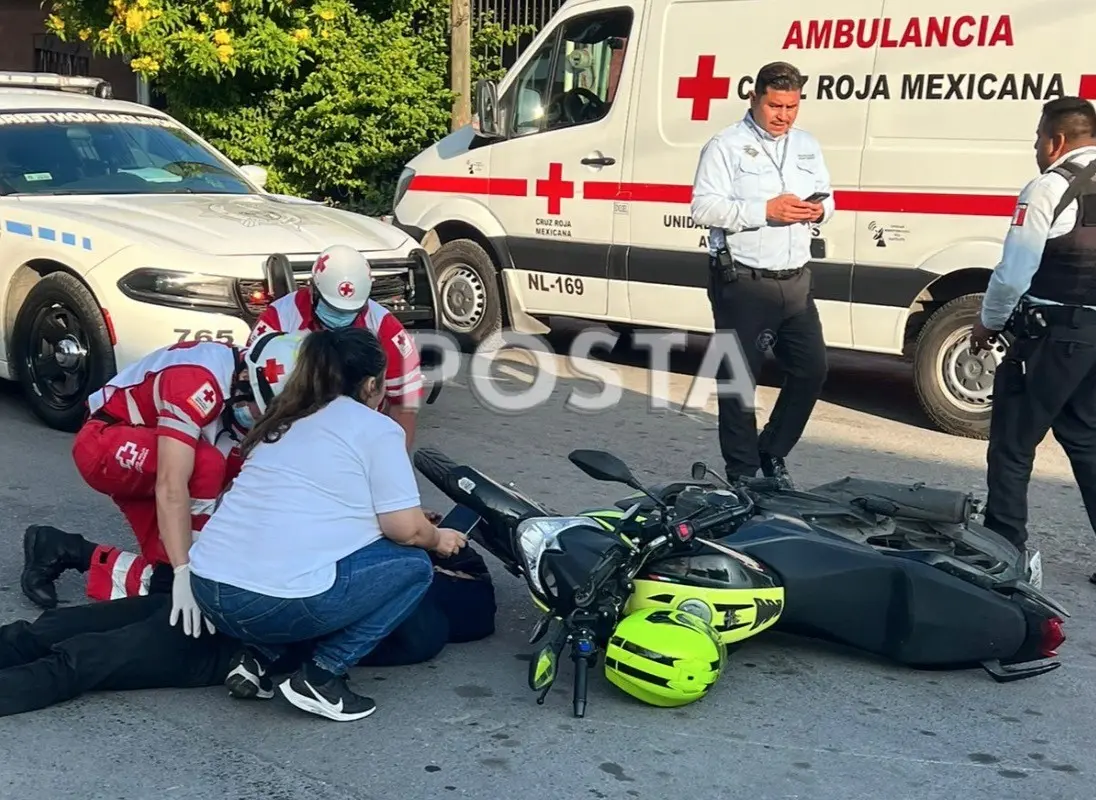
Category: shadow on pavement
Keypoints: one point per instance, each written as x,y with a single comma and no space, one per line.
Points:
874,384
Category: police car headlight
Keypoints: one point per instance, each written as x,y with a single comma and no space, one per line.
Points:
180,289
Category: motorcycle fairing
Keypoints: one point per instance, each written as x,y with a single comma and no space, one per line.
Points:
898,608
742,599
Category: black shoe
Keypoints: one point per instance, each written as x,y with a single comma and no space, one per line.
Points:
332,699
774,467
247,678
48,552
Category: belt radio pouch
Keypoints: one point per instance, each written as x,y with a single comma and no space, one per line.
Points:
725,265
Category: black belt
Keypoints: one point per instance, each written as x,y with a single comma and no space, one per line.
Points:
754,272
1064,315
102,416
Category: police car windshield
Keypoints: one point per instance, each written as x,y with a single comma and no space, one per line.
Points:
81,153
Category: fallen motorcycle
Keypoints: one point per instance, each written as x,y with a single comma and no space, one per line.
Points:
900,571
582,571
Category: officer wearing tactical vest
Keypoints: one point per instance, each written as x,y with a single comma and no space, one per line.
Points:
1043,293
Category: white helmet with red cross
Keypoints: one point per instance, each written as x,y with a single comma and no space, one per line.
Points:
270,362
343,278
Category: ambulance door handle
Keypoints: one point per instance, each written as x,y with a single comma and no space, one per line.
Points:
602,161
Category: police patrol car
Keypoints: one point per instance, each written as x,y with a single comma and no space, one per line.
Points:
571,196
122,231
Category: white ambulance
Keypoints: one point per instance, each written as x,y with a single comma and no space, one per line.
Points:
570,196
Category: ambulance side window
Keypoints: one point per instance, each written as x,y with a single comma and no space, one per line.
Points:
573,78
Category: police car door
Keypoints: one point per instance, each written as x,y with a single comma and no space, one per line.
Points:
565,114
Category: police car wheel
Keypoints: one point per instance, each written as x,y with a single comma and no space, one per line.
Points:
61,350
954,387
469,292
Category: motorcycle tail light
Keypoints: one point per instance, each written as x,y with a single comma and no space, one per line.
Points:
684,531
1053,637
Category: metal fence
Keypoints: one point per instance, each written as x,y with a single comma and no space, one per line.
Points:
514,14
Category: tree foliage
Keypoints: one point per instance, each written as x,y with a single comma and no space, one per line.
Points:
331,96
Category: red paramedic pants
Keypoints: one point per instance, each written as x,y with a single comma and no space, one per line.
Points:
119,460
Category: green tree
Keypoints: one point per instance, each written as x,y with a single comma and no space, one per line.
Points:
332,96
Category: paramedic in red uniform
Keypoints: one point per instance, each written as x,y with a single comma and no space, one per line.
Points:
339,297
753,190
161,442
1044,293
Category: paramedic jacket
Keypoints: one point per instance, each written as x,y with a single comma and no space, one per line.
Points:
1050,264
739,172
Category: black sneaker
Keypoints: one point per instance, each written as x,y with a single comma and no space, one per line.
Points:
333,699
774,467
247,678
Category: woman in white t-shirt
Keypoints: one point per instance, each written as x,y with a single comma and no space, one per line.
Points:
322,536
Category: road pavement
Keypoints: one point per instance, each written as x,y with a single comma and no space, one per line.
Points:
790,719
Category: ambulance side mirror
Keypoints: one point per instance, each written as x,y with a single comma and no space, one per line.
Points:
485,121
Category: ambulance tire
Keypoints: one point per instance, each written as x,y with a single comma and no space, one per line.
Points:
947,329
59,307
469,292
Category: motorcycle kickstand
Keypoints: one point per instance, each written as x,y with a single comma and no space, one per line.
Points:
583,655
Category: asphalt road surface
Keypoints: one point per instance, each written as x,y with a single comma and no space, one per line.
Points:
790,719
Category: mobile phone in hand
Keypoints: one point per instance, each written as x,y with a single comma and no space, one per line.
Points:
817,197
460,518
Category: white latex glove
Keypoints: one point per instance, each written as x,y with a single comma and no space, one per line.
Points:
184,605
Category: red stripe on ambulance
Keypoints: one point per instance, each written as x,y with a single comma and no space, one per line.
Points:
554,190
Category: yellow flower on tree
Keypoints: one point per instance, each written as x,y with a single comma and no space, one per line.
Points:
144,64
224,52
327,15
224,6
135,20
203,18
301,34
221,37
84,34
55,23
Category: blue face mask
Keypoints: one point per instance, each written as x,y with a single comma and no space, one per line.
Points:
333,318
244,419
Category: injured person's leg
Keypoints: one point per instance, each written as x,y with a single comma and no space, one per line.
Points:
114,646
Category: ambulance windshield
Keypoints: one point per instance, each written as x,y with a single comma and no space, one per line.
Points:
572,79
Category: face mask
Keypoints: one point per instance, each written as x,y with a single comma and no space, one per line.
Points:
333,318
244,419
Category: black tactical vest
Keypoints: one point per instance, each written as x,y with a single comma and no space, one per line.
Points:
1067,273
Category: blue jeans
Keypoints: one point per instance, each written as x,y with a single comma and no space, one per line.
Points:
374,591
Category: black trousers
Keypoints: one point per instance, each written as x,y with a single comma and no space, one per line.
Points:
129,644
1044,384
768,313
117,645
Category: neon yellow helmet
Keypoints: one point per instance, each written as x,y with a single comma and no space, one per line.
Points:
664,657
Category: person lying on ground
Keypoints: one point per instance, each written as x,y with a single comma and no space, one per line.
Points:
161,441
322,466
127,644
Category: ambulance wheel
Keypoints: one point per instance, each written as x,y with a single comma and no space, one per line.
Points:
955,388
468,292
61,350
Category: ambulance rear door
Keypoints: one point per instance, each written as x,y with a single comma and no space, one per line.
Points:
698,72
566,114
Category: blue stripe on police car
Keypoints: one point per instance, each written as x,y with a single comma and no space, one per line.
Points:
46,234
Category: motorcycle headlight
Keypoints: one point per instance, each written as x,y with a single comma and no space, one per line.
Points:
535,537
168,287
